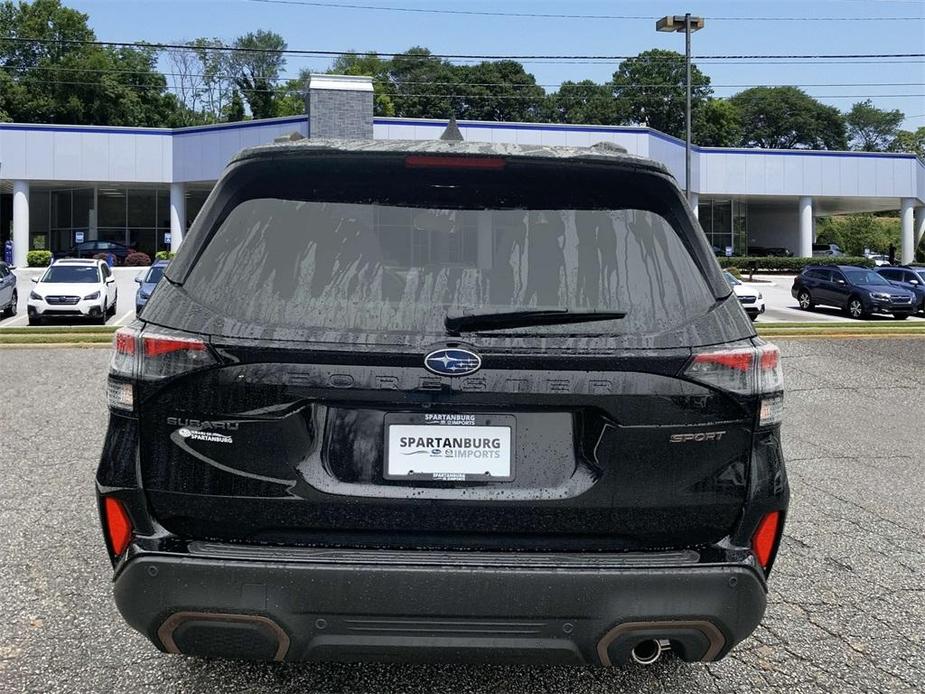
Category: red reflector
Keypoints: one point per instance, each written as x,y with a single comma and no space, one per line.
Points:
124,341
118,526
765,538
740,360
770,356
157,346
419,161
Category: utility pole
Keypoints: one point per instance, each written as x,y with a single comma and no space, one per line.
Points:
688,25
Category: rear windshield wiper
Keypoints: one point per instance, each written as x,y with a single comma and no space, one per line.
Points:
524,319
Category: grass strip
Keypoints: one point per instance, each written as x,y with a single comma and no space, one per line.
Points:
52,329
75,338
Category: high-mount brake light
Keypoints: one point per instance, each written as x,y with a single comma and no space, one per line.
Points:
427,161
764,541
117,525
746,371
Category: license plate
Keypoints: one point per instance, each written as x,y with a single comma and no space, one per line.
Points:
449,447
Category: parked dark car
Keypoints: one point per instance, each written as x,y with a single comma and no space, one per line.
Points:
8,295
827,249
443,400
910,278
89,249
147,280
857,290
770,252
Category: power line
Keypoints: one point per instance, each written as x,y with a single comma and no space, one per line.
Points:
545,15
227,76
449,56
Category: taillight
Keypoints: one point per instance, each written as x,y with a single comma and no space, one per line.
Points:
746,371
764,541
117,525
150,355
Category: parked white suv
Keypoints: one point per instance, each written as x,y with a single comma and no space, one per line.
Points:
76,288
752,300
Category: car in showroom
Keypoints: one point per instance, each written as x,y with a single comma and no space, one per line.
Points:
443,401
908,277
73,289
89,249
752,299
859,291
147,281
770,252
9,298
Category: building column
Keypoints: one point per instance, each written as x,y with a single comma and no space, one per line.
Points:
694,200
177,215
806,227
20,222
906,219
918,227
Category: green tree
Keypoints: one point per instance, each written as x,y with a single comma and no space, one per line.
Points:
857,232
424,86
234,111
55,80
498,90
910,141
717,123
256,65
582,102
651,90
371,65
871,129
788,118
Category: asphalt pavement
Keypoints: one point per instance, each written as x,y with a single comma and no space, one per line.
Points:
846,612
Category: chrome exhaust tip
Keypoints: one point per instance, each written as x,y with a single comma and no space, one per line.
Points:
649,651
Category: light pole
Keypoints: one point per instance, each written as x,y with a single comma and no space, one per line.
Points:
687,24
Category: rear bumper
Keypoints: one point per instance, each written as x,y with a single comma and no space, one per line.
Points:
305,604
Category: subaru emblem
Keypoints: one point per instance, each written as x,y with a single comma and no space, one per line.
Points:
452,362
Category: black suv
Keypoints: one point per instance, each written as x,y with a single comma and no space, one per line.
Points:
467,402
857,290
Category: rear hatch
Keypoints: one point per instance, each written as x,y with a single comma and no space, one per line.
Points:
302,384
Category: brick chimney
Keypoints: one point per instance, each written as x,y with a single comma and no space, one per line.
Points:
340,106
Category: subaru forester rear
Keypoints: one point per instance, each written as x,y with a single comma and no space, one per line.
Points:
443,401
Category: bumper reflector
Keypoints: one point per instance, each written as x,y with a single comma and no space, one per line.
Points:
764,541
118,526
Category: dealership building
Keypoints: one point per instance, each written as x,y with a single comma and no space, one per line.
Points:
142,187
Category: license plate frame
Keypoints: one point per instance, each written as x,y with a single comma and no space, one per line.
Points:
441,468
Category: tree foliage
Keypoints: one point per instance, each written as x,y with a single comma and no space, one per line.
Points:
60,80
651,90
871,129
582,102
910,141
717,123
788,118
856,233
256,65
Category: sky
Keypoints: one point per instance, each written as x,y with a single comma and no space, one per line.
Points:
864,28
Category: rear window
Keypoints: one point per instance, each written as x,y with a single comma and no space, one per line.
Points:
374,267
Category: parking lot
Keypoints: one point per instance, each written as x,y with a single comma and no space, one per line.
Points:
846,610
781,307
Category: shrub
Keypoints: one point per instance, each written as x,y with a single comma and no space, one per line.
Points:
734,271
164,255
137,259
772,264
101,256
38,258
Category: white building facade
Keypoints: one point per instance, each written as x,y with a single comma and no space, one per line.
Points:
143,186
